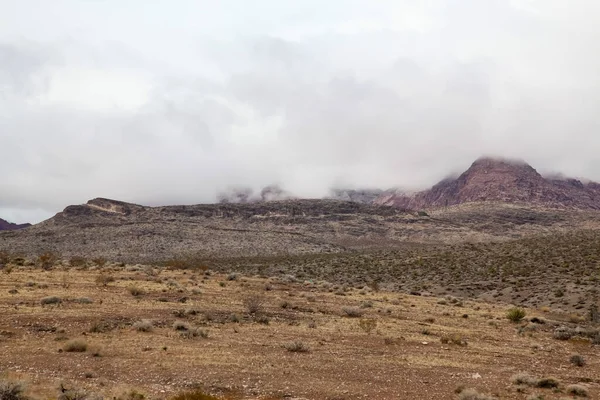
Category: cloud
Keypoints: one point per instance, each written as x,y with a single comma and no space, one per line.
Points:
176,104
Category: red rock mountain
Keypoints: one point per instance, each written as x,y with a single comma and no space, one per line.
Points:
7,226
498,180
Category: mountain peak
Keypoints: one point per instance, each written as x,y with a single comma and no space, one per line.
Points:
501,180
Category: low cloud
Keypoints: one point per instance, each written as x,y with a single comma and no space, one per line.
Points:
396,95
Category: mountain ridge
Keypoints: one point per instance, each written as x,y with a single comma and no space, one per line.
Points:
500,180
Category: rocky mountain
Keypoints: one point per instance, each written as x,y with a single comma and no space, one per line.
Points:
7,226
122,231
497,180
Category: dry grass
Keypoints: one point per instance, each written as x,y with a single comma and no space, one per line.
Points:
381,356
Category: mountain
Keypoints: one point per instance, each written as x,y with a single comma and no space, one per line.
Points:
7,226
498,180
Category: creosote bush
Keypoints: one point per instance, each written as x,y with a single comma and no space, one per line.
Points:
578,360
51,300
577,390
352,312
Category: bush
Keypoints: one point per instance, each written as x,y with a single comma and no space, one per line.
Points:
75,346
104,280
296,347
51,300
563,333
547,383
516,314
136,291
253,303
352,312
144,325
524,379
577,359
11,390
47,260
577,390
181,326
472,394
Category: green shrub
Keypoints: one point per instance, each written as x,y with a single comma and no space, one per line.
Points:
516,314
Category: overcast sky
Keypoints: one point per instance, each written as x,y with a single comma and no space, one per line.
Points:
163,102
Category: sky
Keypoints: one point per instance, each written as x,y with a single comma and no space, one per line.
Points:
162,102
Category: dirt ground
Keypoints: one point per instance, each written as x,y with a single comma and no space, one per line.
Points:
304,340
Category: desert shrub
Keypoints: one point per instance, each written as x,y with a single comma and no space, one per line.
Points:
547,383
76,394
99,261
84,300
194,395
577,390
51,300
563,333
352,312
104,279
136,291
181,326
367,324
144,325
132,395
12,390
453,339
232,277
312,325
75,346
472,394
47,260
77,261
578,360
194,332
524,379
296,347
234,318
594,315
254,303
515,314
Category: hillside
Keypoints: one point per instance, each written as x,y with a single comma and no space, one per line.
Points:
504,181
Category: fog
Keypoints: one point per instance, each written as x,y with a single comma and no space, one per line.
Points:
173,103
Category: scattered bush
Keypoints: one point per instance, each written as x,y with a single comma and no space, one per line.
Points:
547,383
453,339
181,326
296,347
577,390
367,324
516,314
254,303
472,394
51,300
563,333
144,325
104,279
47,260
84,300
75,346
578,360
11,390
352,312
136,291
524,379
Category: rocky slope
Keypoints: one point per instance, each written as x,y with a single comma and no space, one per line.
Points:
500,181
129,232
7,226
